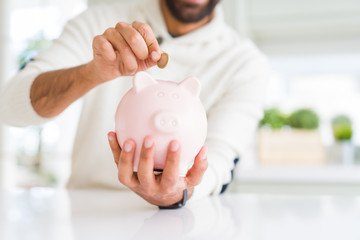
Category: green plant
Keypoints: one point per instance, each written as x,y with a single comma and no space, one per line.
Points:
341,127
34,46
303,119
273,118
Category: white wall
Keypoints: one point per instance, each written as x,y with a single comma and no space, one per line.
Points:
4,40
305,27
235,12
4,46
11,42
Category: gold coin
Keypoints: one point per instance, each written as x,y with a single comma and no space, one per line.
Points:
163,60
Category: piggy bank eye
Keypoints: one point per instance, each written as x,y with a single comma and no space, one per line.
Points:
175,96
174,123
160,94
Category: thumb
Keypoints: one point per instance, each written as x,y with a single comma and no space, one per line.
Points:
114,145
196,172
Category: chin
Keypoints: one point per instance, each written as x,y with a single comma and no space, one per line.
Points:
191,11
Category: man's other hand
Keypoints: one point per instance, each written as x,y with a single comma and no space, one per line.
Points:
164,189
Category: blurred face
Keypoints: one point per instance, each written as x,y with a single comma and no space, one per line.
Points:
191,11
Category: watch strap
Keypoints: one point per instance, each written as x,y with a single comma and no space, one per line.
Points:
179,204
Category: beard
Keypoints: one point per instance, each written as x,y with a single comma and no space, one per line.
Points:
190,12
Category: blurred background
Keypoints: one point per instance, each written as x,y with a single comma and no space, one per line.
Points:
310,134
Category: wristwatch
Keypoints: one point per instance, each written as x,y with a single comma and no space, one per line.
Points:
179,204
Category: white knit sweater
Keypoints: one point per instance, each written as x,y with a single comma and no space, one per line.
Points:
233,74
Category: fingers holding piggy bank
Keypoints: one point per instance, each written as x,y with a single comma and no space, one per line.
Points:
166,111
164,189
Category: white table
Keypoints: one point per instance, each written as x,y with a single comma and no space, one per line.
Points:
49,214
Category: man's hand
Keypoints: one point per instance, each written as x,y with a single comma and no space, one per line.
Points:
124,50
163,189
120,51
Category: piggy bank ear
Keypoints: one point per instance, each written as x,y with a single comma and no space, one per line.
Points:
192,84
142,80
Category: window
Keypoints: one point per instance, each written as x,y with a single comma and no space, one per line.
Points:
38,156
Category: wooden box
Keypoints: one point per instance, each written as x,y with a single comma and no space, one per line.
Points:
290,147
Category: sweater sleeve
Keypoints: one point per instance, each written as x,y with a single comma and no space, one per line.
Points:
232,123
72,48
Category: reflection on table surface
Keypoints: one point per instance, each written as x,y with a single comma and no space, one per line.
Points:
43,213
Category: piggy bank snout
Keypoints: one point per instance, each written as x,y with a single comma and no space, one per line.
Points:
167,122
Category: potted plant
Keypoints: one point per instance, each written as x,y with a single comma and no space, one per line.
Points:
273,118
342,131
291,139
303,119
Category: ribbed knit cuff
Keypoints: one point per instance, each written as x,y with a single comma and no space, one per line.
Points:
207,185
221,162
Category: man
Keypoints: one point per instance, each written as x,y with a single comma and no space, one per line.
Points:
232,72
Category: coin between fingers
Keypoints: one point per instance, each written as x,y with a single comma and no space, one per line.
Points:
163,60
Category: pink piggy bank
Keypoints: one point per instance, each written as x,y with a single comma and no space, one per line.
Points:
166,111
